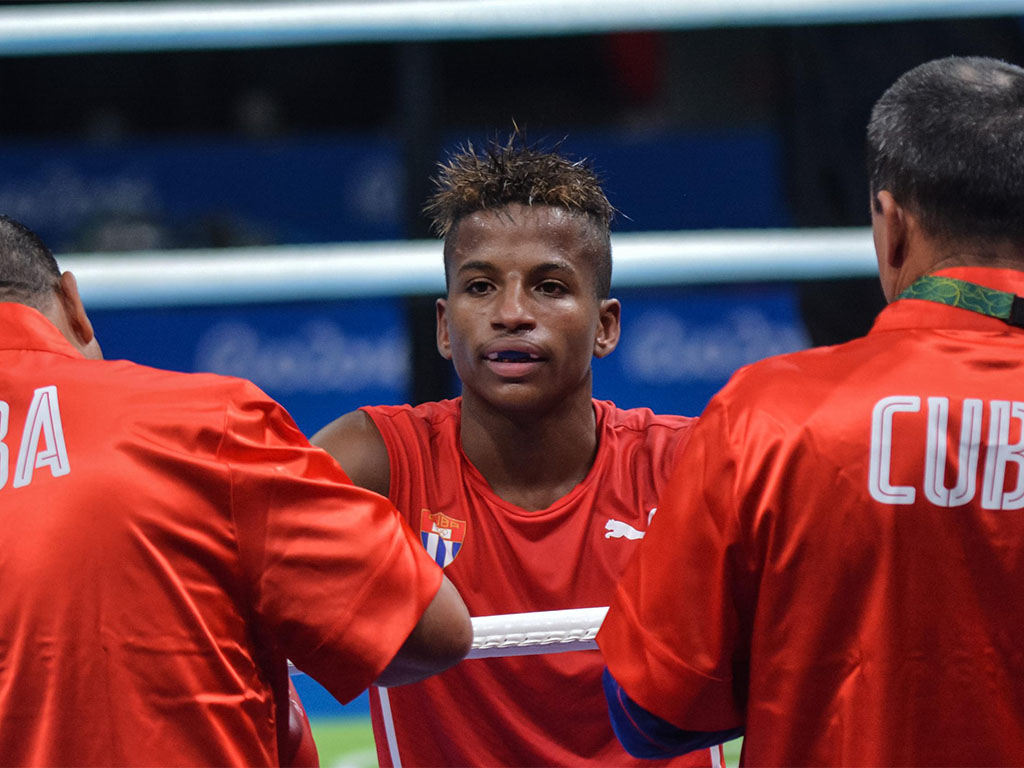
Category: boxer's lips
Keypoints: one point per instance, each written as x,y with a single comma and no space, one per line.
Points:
513,363
513,356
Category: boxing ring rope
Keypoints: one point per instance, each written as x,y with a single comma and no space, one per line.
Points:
361,270
530,634
66,28
524,634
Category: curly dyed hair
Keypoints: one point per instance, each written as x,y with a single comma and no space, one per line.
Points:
503,173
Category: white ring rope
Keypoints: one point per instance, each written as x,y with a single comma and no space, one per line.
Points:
64,28
523,634
354,270
529,634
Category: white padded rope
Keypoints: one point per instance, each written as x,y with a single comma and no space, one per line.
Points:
63,28
357,270
529,634
523,634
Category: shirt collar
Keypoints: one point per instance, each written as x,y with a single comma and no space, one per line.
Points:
919,313
23,327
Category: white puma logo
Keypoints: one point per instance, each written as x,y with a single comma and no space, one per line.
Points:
616,529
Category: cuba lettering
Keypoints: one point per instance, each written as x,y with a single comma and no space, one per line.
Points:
999,453
42,440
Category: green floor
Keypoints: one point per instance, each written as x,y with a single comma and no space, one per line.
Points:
344,741
348,742
732,752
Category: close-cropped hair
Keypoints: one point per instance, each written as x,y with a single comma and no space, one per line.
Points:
947,141
28,271
499,174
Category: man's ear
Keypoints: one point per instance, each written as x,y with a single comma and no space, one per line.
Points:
444,343
890,227
609,329
78,321
889,224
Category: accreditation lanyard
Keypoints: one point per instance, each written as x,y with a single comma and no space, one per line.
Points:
1003,305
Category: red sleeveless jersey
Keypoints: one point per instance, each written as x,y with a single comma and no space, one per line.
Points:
527,710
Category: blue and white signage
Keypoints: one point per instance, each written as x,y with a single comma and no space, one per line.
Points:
318,359
679,346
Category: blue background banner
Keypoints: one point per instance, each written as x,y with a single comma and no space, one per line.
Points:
319,359
679,345
180,194
138,195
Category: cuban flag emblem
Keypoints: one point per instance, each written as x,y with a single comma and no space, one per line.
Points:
442,536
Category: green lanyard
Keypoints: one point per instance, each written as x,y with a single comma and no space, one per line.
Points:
1005,306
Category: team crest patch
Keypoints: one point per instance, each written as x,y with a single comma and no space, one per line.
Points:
442,536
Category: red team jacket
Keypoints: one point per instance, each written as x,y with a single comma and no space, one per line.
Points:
531,710
839,559
167,541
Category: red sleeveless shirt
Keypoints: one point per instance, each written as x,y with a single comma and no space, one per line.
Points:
527,710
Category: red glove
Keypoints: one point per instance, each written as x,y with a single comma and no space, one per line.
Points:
298,750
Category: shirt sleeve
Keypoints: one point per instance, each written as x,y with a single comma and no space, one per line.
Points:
646,735
674,635
337,578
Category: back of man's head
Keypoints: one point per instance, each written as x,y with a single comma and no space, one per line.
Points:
28,271
947,141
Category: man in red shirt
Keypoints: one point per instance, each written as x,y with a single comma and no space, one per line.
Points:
836,565
168,542
530,494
